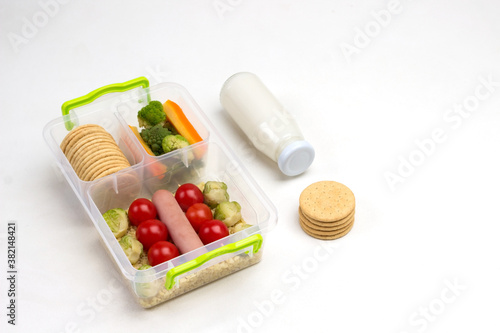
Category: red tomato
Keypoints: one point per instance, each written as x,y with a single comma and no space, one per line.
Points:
187,195
141,210
197,214
212,230
162,251
150,232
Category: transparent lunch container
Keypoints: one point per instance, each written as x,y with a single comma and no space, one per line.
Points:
115,107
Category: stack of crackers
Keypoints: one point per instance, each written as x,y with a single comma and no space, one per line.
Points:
326,210
92,152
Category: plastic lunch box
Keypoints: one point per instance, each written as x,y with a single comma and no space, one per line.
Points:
115,107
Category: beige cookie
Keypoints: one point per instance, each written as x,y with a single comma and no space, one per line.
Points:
328,236
116,167
78,157
326,224
86,141
109,172
323,232
331,228
79,132
98,152
100,165
327,201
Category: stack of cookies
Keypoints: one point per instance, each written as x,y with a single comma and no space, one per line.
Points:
326,210
92,152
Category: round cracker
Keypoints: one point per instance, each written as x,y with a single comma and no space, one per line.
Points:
104,169
84,137
327,201
89,148
322,232
98,151
76,133
109,172
324,228
100,164
86,142
83,133
327,224
328,236
119,165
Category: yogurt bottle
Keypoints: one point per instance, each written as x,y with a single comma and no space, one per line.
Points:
267,124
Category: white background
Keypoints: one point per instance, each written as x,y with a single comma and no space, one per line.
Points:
363,101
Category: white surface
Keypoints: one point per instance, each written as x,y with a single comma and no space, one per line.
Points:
440,226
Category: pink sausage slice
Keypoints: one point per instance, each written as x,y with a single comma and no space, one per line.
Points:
179,228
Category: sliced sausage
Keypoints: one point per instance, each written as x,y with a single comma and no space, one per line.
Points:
179,228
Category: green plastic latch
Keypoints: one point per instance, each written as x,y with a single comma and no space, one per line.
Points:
93,95
254,240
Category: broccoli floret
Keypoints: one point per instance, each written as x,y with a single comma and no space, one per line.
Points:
117,221
154,137
151,115
214,193
228,212
173,142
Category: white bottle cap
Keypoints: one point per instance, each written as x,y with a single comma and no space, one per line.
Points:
296,158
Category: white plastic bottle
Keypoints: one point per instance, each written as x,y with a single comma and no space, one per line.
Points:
270,128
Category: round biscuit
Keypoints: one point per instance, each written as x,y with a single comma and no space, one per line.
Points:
70,135
98,151
327,201
104,169
82,154
84,137
327,224
77,133
99,165
99,162
310,229
85,142
330,228
329,236
109,172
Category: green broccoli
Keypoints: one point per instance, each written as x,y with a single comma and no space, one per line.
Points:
154,137
151,115
173,142
228,212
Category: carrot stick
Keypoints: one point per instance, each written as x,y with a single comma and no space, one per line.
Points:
157,169
179,120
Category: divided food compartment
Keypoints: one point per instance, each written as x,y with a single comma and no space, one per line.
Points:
213,161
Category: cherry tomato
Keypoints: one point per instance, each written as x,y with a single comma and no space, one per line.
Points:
187,195
141,210
162,251
212,230
197,214
150,232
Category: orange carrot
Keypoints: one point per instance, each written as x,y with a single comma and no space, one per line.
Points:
141,140
179,120
157,169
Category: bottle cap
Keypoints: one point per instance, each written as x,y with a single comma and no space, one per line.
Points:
296,158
